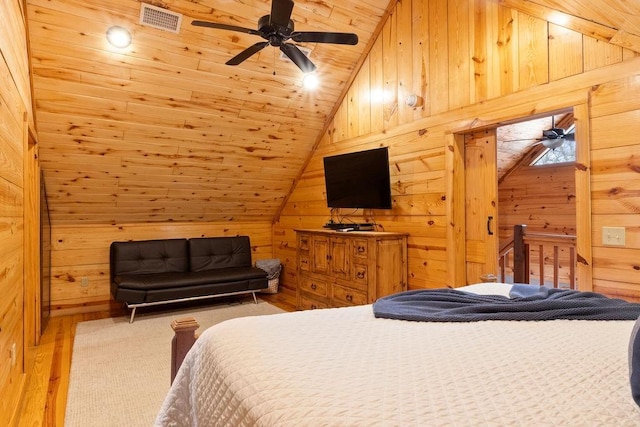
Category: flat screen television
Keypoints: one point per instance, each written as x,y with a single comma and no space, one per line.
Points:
358,180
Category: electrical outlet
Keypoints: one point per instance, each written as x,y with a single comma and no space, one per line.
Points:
13,354
613,236
84,281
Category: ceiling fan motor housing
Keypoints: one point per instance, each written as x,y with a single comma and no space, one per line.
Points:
554,133
271,31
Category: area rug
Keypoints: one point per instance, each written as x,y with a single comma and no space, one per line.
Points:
120,372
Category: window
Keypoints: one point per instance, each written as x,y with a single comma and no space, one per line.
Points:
566,153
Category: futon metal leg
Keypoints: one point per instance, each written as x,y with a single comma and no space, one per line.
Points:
254,297
133,313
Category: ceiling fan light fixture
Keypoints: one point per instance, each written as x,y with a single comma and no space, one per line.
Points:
552,143
118,37
310,81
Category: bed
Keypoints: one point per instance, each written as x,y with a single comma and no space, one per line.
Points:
346,367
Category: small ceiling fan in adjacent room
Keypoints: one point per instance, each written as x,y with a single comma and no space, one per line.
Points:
277,29
551,138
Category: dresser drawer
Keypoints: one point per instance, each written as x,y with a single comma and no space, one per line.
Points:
313,286
347,296
304,242
311,304
303,262
360,250
360,277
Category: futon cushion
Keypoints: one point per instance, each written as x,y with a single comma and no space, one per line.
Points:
149,256
208,253
194,278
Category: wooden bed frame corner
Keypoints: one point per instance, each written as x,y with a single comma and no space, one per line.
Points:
184,338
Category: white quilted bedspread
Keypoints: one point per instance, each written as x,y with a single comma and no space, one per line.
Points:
343,367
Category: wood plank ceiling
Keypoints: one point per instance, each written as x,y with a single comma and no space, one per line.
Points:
164,131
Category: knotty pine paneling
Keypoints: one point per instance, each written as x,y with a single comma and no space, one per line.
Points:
83,251
484,60
13,45
17,320
565,52
543,197
174,90
533,51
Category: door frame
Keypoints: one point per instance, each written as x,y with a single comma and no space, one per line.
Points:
455,193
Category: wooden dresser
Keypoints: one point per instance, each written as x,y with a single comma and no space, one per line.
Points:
338,269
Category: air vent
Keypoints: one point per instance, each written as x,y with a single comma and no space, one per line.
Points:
162,19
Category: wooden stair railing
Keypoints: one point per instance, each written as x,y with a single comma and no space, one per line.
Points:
520,248
503,260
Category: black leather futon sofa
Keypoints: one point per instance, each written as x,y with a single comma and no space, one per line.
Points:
152,272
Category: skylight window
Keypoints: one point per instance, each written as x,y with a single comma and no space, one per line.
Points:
566,153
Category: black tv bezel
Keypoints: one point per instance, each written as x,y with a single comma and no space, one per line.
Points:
382,201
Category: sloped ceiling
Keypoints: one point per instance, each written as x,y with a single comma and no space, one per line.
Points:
615,21
164,131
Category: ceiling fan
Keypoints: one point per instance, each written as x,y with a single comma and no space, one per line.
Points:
551,138
277,29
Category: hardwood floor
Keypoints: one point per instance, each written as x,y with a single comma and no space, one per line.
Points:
45,397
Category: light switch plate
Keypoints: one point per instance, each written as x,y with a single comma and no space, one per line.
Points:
613,236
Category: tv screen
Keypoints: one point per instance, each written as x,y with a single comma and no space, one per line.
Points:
358,180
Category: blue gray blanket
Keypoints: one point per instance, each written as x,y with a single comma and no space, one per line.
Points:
527,303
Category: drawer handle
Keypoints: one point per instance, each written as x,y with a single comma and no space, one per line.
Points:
313,307
360,249
360,275
349,297
313,286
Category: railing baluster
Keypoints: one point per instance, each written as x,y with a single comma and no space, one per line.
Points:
572,267
521,247
541,263
556,266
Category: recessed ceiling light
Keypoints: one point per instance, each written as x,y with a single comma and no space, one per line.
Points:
118,37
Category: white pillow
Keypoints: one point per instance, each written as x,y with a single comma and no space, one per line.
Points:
489,288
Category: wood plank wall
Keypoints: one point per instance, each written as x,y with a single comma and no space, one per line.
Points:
83,252
474,63
544,198
436,50
15,116
615,184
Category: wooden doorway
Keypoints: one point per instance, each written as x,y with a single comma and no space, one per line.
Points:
481,204
456,195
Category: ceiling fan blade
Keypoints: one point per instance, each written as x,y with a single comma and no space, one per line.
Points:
245,54
297,57
224,27
553,133
524,139
281,12
325,37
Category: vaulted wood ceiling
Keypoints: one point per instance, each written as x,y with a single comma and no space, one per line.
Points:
164,131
